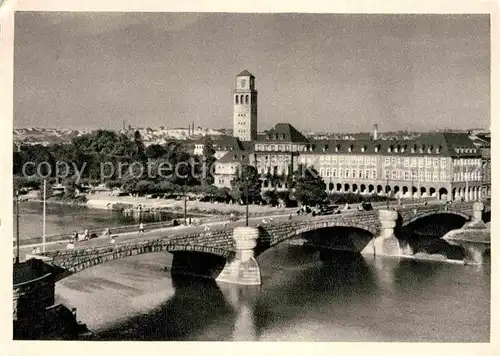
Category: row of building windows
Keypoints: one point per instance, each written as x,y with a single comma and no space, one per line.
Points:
414,162
344,160
238,99
466,176
419,176
467,162
348,173
280,147
273,158
242,115
390,149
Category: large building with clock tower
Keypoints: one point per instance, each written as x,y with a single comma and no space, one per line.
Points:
245,107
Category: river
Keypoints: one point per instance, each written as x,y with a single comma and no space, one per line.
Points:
349,298
64,218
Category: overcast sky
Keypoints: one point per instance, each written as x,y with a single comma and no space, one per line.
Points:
339,73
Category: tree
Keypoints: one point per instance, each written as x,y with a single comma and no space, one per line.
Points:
155,151
208,161
246,182
271,197
310,189
139,147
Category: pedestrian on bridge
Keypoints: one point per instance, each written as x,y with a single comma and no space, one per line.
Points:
141,227
86,235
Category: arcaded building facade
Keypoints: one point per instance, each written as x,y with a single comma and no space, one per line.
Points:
435,165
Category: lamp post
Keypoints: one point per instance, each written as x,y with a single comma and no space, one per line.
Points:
387,193
185,203
246,202
44,213
17,227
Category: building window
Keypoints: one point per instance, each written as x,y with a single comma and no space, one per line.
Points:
367,174
387,161
347,173
421,176
435,176
413,162
321,172
386,174
236,99
443,162
413,175
360,174
367,161
420,162
347,161
246,99
428,176
341,173
435,163
428,162
374,174
407,175
334,159
334,172
394,161
354,173
443,176
374,161
341,160
406,162
394,174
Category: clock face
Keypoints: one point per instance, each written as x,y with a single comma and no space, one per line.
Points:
243,82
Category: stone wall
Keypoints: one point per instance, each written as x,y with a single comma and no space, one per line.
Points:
34,295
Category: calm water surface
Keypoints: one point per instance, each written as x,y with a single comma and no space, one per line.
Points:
347,298
63,218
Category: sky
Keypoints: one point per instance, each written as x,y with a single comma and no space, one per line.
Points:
318,72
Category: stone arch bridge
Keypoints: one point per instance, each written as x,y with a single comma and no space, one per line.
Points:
234,250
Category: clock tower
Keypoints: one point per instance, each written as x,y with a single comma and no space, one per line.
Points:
245,107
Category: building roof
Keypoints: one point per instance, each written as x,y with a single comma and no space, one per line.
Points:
435,144
238,156
283,132
226,143
245,73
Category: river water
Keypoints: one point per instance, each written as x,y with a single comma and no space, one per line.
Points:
302,298
64,218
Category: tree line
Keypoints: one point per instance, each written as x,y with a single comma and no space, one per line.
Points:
89,151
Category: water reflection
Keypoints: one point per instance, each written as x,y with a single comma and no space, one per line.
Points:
327,296
341,278
195,306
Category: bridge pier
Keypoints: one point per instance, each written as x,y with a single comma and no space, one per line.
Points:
243,269
477,211
387,243
474,252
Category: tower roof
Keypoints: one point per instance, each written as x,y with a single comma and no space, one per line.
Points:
245,73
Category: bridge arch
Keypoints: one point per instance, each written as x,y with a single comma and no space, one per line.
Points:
74,261
273,235
417,217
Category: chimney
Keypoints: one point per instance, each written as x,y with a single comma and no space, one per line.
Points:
375,131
